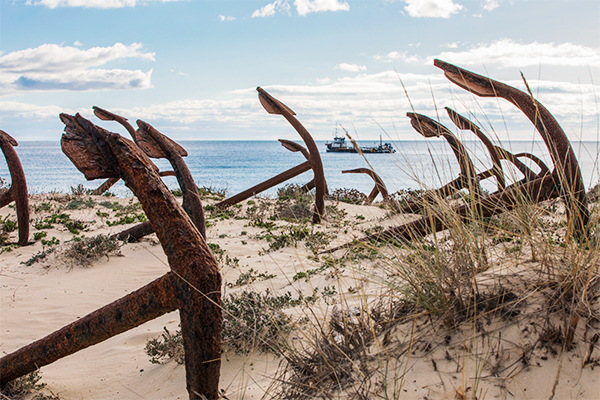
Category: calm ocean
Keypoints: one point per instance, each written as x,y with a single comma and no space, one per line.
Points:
238,165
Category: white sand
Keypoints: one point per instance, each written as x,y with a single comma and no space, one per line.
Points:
39,299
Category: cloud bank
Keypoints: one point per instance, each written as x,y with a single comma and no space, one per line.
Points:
94,3
54,67
431,8
303,7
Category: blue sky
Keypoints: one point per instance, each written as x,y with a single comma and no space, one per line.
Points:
190,67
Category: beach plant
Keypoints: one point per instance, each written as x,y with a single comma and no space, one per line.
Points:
27,386
251,321
80,190
78,203
40,255
88,250
211,193
350,196
166,347
8,225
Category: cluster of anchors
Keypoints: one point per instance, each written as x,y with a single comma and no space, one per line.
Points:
193,285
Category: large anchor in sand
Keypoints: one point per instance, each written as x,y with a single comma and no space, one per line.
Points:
193,286
313,160
565,180
18,188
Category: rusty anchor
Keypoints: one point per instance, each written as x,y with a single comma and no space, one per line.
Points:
564,181
378,188
274,106
566,173
193,285
18,188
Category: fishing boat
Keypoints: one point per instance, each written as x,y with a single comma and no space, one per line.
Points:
339,146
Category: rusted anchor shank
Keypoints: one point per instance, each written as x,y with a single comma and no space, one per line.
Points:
379,185
274,106
295,147
468,176
159,144
193,286
566,169
465,124
150,150
497,153
18,188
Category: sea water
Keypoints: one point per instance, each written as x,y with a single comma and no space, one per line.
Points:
239,165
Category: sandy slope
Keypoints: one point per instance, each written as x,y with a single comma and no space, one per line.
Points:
38,299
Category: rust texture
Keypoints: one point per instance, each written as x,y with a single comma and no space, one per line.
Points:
379,185
296,147
18,188
150,151
193,286
274,106
164,146
566,171
156,145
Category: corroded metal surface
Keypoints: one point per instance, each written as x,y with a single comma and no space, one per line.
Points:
193,286
379,185
274,106
156,145
150,149
566,169
160,143
18,188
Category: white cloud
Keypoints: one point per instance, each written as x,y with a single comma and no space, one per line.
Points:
361,101
54,67
270,9
490,5
93,3
303,7
226,18
77,43
394,55
510,54
350,67
431,8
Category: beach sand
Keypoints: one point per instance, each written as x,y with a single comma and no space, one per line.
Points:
439,362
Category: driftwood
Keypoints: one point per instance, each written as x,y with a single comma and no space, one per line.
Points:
193,286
